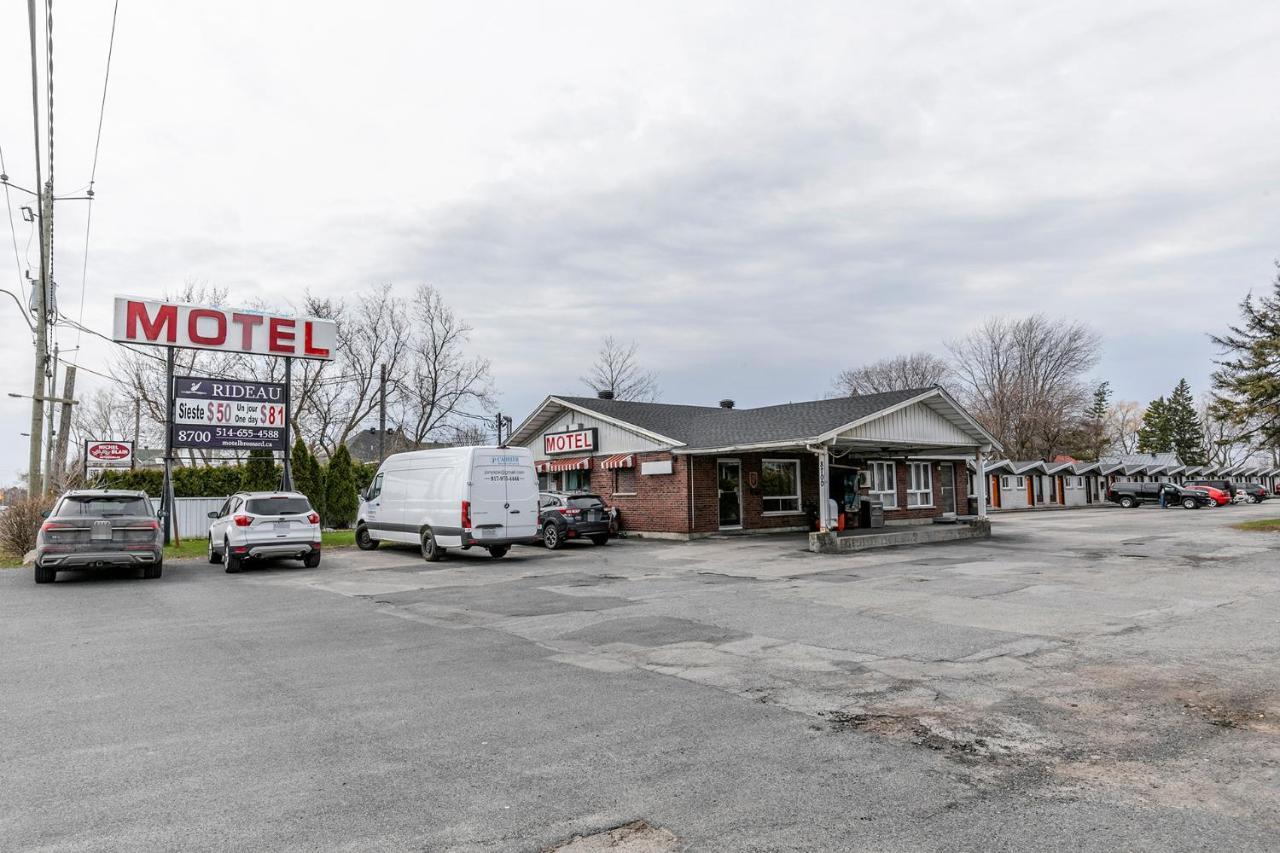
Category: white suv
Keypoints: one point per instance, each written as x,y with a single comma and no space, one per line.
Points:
254,525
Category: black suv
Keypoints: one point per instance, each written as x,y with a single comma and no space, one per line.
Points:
1255,492
1136,494
577,515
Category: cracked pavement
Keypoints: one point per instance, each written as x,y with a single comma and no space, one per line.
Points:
1087,679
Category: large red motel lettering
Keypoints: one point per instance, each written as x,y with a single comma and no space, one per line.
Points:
581,441
173,324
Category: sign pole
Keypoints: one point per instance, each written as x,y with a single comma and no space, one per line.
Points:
287,468
166,500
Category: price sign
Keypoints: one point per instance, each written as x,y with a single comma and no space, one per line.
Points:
213,414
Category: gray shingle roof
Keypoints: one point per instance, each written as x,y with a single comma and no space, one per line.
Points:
712,426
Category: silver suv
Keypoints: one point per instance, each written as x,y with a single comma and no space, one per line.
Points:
93,529
258,525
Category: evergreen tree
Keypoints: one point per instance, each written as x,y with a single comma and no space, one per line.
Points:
1246,391
259,474
340,490
305,475
1101,402
320,502
1186,433
1153,435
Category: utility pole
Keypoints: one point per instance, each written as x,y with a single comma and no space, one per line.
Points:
64,431
137,433
34,480
50,477
382,416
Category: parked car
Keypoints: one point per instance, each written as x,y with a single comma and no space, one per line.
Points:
1219,497
1227,487
99,528
454,497
572,515
263,525
1136,494
1254,492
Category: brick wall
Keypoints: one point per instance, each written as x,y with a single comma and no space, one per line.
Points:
659,504
706,492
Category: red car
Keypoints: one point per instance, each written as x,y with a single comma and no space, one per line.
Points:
1220,498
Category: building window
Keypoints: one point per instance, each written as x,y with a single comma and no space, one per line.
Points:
575,481
884,483
1022,483
624,481
1004,482
919,484
780,483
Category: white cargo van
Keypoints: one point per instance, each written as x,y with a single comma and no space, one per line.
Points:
455,497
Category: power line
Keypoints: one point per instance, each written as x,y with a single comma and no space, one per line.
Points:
93,173
8,206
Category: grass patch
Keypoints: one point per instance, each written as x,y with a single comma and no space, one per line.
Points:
1259,525
189,548
196,547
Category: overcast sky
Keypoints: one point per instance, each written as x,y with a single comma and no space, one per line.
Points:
760,194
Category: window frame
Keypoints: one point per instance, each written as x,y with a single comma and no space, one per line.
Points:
879,466
927,468
795,496
617,476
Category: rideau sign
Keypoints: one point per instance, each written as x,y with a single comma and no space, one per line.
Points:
574,441
224,414
173,324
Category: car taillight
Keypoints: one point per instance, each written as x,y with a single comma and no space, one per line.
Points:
242,520
53,525
466,515
155,524
570,511
314,518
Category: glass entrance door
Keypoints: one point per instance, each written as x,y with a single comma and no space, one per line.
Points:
729,477
948,481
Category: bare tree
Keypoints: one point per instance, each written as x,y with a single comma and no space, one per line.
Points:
469,434
897,373
334,400
440,384
616,369
1024,380
1124,419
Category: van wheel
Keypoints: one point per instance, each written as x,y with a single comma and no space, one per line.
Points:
1128,502
602,539
551,537
364,541
497,552
1189,503
44,575
214,556
431,552
231,561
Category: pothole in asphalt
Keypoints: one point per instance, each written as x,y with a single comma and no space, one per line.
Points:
921,733
638,836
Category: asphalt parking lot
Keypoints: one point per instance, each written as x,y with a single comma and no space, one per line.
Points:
1087,680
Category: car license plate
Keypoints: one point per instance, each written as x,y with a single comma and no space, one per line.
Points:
282,525
484,532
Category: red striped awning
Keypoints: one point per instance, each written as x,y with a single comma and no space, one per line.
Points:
619,460
550,466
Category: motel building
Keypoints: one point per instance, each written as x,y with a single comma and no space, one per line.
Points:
880,461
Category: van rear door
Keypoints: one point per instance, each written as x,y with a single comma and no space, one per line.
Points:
504,494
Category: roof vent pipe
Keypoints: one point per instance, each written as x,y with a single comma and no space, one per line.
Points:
605,393
726,403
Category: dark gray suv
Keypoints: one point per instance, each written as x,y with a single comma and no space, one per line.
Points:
572,515
94,529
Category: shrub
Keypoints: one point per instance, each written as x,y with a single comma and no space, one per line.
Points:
20,523
260,473
340,490
306,475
